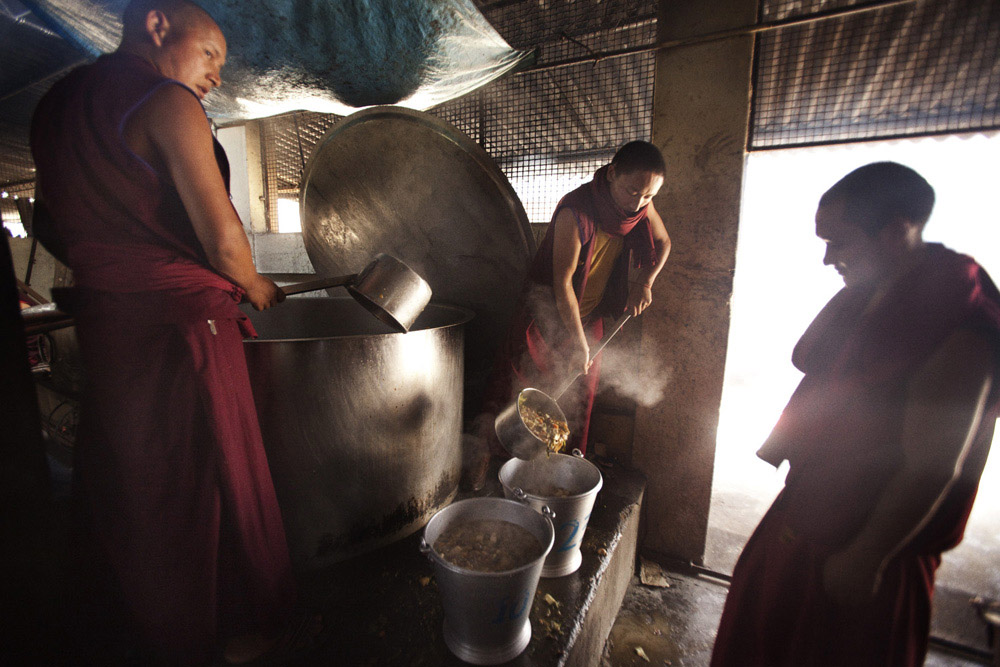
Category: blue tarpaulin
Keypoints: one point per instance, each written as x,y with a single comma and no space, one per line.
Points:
332,56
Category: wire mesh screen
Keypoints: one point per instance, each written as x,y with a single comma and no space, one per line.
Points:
548,128
923,68
286,143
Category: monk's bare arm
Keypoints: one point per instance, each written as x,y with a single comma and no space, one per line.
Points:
640,288
945,404
180,139
565,257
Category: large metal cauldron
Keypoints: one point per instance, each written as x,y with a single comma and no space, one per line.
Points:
362,426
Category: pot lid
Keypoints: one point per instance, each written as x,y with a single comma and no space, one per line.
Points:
403,182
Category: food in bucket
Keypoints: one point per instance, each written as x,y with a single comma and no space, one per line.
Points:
552,431
550,490
488,545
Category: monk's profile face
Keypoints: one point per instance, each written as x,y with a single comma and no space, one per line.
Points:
193,52
860,259
633,190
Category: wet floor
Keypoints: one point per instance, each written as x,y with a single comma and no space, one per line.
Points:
675,626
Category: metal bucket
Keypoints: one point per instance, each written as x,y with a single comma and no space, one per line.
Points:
530,480
361,425
486,613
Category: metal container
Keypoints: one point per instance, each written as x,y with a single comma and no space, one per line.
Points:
533,482
393,180
512,431
486,613
361,425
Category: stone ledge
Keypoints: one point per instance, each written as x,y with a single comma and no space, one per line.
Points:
384,608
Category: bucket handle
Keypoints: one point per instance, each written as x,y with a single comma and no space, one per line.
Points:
577,453
521,496
425,548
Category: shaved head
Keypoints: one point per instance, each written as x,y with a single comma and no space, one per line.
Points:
181,13
179,39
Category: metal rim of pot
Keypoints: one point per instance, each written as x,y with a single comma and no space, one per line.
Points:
431,553
524,496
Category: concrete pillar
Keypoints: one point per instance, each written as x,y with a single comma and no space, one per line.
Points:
700,112
234,141
255,178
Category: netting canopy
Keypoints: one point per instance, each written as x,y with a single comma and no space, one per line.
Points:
332,56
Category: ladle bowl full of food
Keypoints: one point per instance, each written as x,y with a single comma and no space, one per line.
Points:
532,425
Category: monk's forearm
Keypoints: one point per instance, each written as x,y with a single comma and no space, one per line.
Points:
905,506
230,255
647,275
945,404
569,310
661,247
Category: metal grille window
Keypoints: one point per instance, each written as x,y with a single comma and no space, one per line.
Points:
550,127
909,70
286,142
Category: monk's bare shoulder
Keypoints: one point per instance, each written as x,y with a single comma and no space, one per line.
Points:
173,110
171,117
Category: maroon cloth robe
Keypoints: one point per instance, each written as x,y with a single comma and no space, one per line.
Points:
170,473
841,436
533,352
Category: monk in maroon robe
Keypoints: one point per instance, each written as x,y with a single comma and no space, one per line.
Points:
580,275
886,438
170,474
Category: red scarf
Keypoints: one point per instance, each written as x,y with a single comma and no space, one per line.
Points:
596,196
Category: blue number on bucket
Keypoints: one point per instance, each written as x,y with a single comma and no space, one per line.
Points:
569,542
511,610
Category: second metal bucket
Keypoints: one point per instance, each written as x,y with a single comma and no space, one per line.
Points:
568,485
486,613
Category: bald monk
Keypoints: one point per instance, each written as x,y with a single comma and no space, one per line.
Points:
172,485
886,438
580,275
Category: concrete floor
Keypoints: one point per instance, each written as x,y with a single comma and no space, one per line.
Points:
736,511
675,626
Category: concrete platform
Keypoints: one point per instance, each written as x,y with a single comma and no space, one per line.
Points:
384,608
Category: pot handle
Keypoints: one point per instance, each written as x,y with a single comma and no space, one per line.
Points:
577,453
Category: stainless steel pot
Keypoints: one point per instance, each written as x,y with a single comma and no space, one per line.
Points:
362,426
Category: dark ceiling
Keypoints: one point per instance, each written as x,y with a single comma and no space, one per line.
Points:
33,57
283,57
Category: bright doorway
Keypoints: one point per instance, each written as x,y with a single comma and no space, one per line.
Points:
781,283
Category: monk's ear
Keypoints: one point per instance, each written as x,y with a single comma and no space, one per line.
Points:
157,26
901,232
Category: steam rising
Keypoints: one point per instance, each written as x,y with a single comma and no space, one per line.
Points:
645,382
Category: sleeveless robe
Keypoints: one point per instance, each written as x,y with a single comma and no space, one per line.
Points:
170,475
